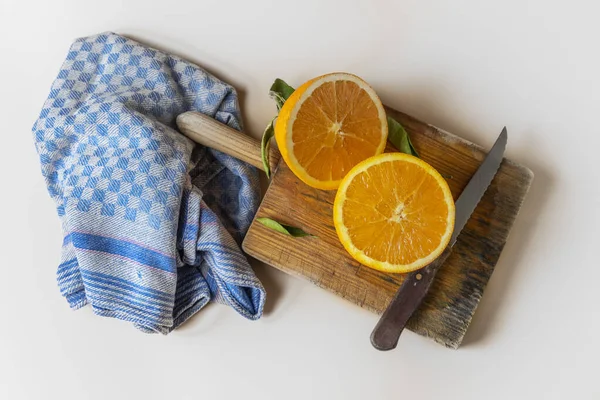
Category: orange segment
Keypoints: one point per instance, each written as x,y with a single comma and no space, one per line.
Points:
394,213
328,125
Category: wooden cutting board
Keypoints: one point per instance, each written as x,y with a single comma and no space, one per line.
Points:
449,307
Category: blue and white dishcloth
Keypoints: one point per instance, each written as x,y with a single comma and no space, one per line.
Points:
152,223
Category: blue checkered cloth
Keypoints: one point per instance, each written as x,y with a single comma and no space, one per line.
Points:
152,222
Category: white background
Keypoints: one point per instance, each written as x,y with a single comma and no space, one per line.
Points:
465,66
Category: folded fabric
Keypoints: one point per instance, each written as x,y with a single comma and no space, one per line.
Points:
152,222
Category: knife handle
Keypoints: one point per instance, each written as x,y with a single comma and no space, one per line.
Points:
211,133
407,299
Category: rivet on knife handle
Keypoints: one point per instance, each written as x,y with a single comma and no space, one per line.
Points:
407,299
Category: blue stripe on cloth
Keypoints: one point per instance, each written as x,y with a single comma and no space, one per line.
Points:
218,248
199,289
70,285
196,303
66,265
68,278
113,280
191,301
184,283
192,294
76,300
109,294
190,283
231,248
232,274
123,248
235,294
187,299
63,280
67,269
230,268
67,240
151,303
143,328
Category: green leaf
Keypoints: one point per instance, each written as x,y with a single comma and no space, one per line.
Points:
281,228
398,136
280,91
265,144
296,232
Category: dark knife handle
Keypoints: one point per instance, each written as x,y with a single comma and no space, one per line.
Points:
407,299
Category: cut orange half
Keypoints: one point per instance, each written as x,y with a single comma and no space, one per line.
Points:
327,126
394,213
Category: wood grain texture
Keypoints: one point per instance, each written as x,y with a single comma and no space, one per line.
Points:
207,131
448,309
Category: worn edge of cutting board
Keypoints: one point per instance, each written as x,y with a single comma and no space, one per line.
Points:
449,307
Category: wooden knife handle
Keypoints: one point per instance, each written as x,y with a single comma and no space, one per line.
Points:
209,132
408,298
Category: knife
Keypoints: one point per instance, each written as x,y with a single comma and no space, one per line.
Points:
416,285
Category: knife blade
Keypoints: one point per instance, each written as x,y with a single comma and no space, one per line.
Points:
416,285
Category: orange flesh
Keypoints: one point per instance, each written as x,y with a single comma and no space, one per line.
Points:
395,212
336,127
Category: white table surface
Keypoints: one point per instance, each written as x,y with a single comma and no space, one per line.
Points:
465,66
